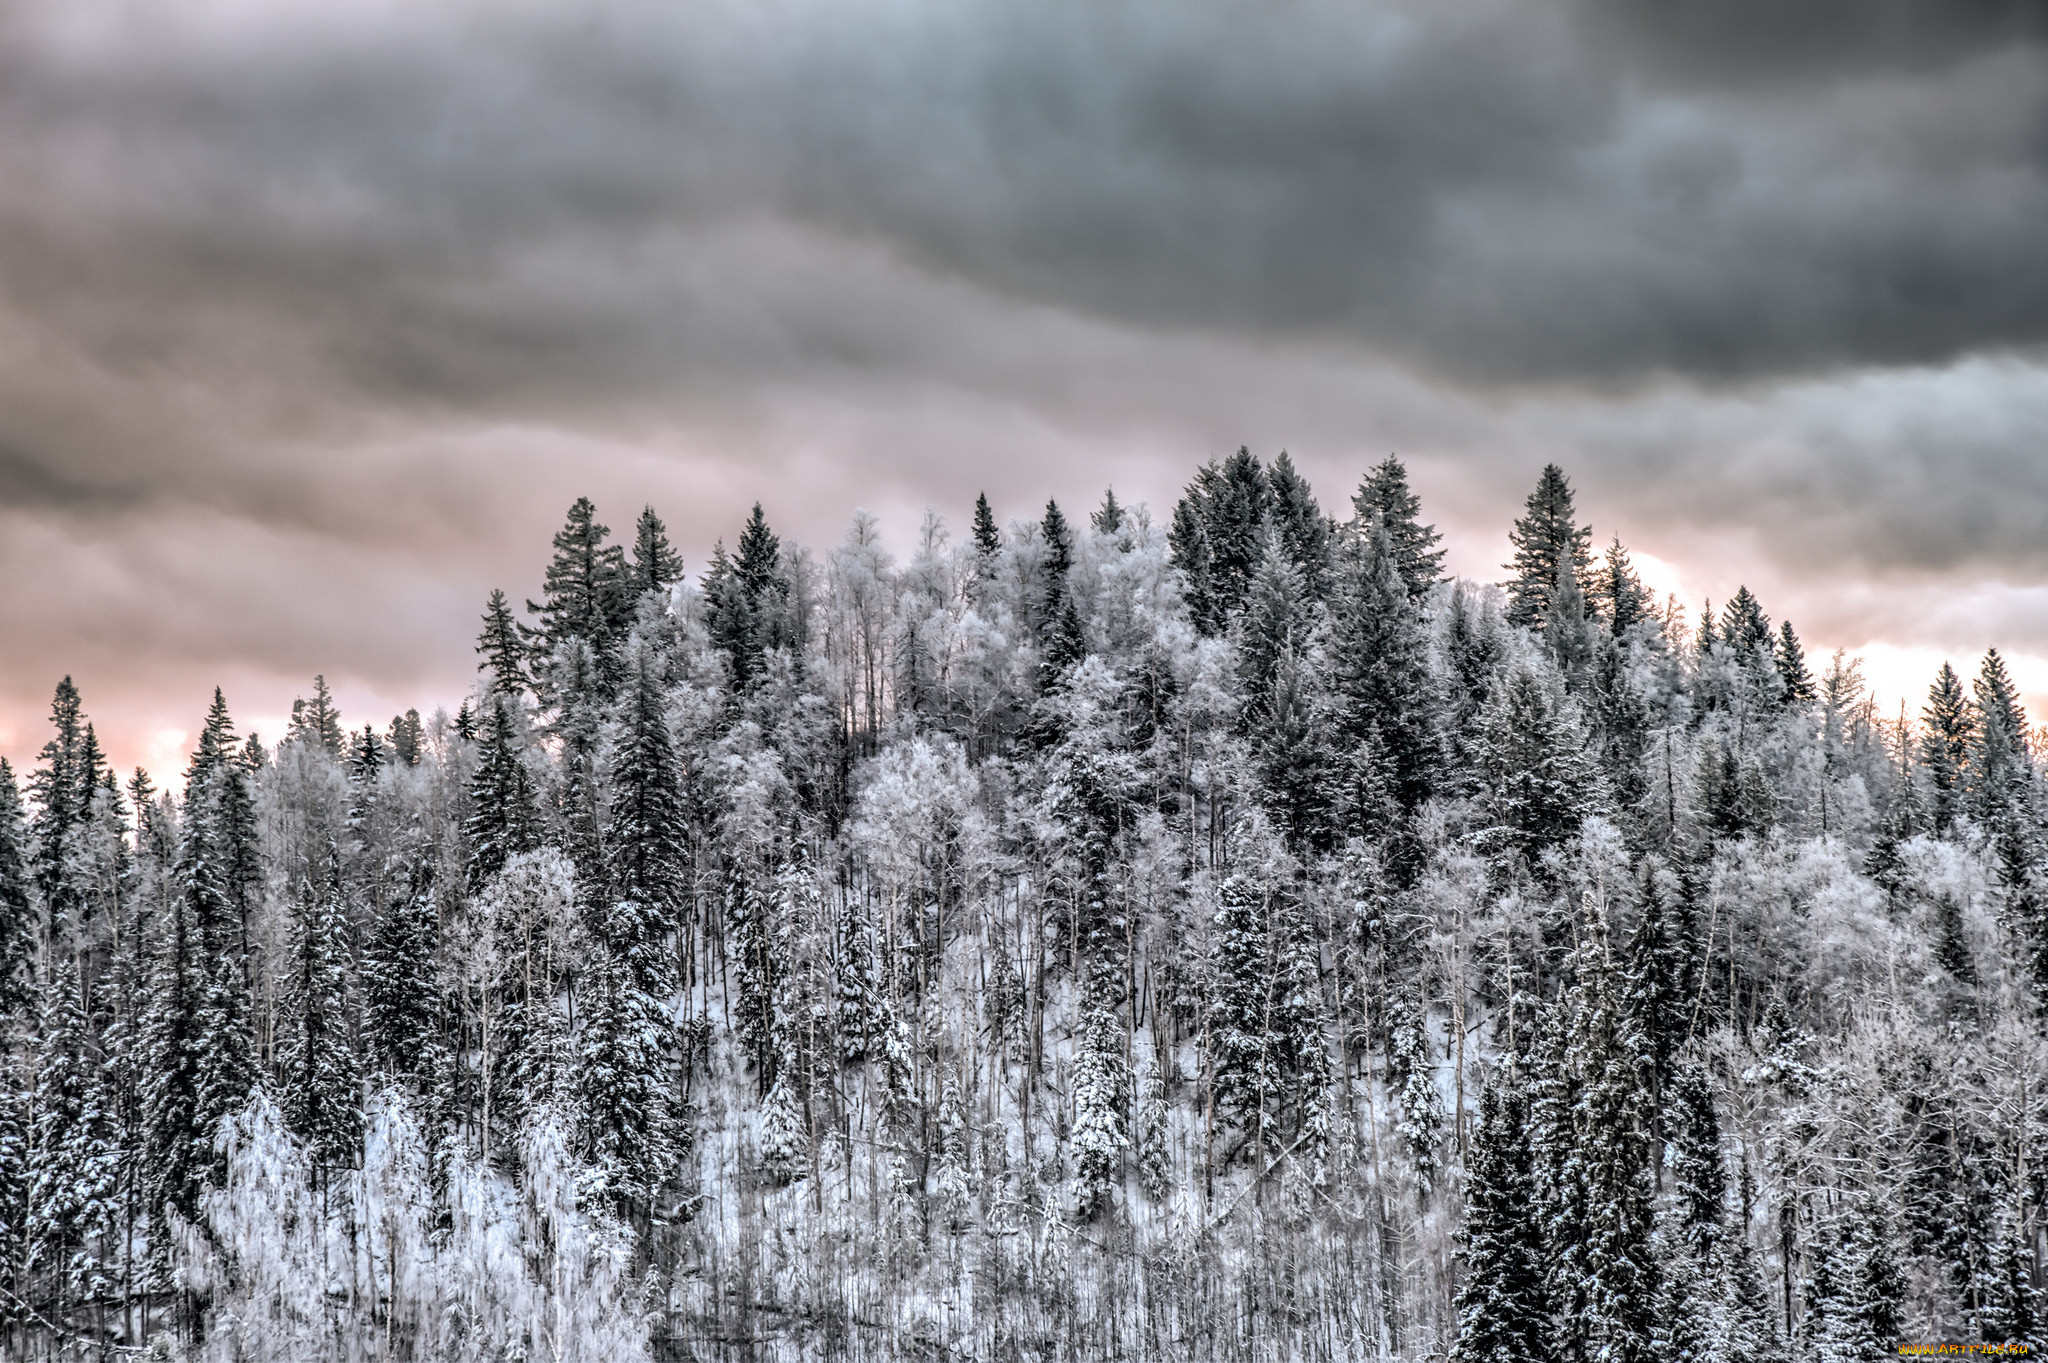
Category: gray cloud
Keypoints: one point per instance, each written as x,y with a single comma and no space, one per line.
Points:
373,291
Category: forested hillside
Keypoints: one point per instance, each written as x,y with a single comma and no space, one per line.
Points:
1086,938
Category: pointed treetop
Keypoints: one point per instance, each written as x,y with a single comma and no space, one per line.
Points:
1059,539
1707,637
217,735
1548,534
1109,517
988,542
1304,531
1743,622
1622,598
586,594
1792,671
759,553
1385,493
314,721
655,563
1998,697
501,650
66,713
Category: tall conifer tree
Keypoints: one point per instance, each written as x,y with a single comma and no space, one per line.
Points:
656,564
585,592
504,819
1385,494
1300,524
1949,731
1503,1305
1380,683
501,650
1546,539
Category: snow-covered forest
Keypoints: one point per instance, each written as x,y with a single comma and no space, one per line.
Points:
1084,938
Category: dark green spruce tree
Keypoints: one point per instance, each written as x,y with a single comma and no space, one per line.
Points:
1546,539
1385,494
504,815
1383,699
1303,529
501,650
656,564
1949,731
1503,1303
319,1080
17,920
647,832
1218,537
585,593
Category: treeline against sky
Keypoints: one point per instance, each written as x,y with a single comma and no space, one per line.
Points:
1086,938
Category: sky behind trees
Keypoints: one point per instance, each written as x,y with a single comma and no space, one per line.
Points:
314,319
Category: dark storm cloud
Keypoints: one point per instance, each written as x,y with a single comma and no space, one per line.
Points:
375,289
464,207
1747,42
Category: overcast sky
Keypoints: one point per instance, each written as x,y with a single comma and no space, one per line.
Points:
314,317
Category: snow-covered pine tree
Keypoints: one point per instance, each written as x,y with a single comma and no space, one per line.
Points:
647,831
988,541
1949,729
1049,598
585,593
200,1062
655,563
1274,625
1101,1111
502,652
316,722
1604,1270
407,738
1216,537
68,773
1699,1174
1621,724
1151,1152
1503,1304
1303,530
1569,634
1538,781
785,1136
504,819
628,1122
1546,538
1246,1061
1659,989
1382,693
399,987
1110,517
1412,1089
1385,494
17,920
1793,676
319,1083
1617,593
750,937
70,1157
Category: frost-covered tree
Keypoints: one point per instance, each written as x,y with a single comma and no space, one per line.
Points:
1384,495
1950,729
1547,540
504,819
319,1082
585,593
1503,1304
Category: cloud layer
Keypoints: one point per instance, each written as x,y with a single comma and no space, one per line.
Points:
313,318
